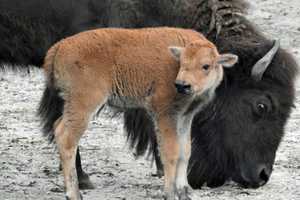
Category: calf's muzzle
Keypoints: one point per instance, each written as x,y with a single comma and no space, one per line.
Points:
182,87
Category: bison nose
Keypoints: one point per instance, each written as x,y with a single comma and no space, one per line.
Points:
258,176
264,175
182,87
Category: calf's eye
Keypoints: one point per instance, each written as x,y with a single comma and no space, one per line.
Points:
206,67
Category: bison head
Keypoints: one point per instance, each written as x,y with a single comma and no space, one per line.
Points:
237,135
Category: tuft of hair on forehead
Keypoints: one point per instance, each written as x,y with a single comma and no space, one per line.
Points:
193,47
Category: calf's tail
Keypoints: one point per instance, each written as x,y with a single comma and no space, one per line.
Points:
52,104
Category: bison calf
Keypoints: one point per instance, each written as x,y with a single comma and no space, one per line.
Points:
171,73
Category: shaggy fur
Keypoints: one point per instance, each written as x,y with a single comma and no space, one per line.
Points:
29,28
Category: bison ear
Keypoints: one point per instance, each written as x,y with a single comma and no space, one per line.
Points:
176,52
227,60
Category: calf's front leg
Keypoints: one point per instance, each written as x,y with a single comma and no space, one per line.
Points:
184,140
174,160
83,178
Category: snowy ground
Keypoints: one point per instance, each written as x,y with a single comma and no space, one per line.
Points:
29,166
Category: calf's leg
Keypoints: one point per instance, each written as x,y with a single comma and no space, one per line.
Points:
169,150
170,154
74,121
83,178
184,140
67,139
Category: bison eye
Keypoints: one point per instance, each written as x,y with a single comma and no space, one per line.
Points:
206,67
263,105
262,108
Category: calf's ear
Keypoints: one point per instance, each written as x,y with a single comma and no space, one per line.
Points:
227,60
175,52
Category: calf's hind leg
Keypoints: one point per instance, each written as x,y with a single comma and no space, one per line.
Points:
67,134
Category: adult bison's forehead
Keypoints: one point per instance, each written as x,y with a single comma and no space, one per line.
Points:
281,71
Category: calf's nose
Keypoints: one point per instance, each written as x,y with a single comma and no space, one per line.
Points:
182,87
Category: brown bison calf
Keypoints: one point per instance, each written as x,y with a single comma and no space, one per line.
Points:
134,68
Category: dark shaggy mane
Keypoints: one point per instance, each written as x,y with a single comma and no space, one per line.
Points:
27,43
28,29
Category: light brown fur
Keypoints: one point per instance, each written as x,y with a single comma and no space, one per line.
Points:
131,68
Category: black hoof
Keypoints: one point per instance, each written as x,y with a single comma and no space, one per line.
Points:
159,174
85,183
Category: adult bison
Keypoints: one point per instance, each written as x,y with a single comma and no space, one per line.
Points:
237,135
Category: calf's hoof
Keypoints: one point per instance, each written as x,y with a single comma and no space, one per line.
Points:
85,183
183,193
68,198
169,196
178,194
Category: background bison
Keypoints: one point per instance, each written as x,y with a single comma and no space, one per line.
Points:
57,29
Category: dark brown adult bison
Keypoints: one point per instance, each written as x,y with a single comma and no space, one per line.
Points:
238,134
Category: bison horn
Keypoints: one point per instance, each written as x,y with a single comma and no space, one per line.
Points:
260,66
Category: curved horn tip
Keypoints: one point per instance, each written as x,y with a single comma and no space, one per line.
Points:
261,66
277,43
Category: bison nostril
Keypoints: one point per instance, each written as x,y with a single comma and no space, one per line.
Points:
264,176
256,176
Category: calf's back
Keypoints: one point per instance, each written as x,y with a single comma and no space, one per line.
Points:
132,63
